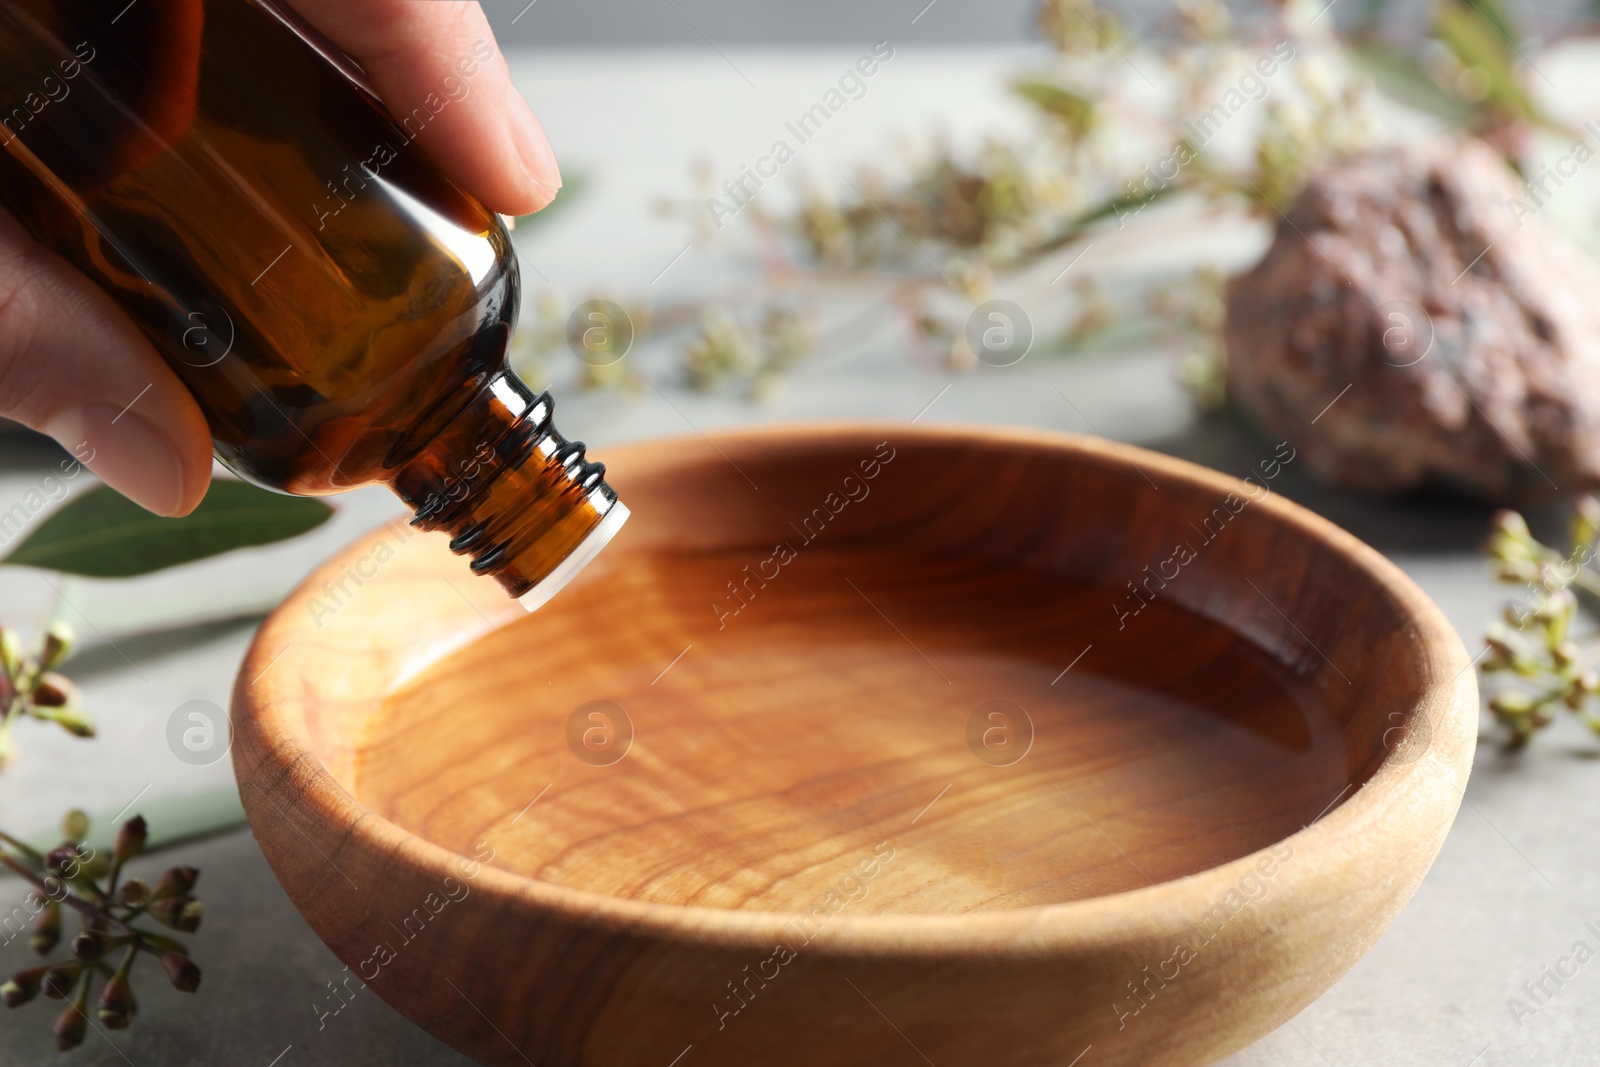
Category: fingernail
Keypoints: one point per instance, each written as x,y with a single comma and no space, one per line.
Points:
126,452
538,158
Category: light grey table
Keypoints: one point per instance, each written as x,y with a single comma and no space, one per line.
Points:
1510,894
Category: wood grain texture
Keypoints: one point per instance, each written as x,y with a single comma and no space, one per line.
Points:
806,853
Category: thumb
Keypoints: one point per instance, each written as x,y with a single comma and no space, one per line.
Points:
74,367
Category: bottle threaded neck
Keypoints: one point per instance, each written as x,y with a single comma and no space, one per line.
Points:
519,499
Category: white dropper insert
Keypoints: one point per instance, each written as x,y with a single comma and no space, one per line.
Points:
568,569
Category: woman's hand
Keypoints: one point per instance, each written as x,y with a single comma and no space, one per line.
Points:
74,367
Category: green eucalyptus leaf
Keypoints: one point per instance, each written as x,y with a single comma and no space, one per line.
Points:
102,534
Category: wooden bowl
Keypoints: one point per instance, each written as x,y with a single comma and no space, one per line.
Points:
865,745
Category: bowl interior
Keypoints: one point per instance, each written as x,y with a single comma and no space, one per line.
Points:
1042,671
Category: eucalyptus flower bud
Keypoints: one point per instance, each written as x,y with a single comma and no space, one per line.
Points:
130,840
1511,703
133,893
177,882
75,825
58,980
1500,653
1549,575
90,946
64,860
182,972
10,653
95,865
22,987
55,646
47,929
1511,525
70,719
1515,571
71,1026
117,1006
1585,521
182,914
53,691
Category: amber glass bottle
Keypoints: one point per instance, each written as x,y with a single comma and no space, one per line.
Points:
337,306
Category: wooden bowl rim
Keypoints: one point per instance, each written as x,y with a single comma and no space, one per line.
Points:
1037,930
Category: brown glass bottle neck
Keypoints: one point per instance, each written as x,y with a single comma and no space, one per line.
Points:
514,495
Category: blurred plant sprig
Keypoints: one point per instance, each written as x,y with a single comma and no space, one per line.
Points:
934,235
1536,662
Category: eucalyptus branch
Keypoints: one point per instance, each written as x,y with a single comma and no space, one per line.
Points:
30,688
953,227
68,876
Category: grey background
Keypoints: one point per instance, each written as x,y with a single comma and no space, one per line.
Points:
680,23
734,22
744,22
